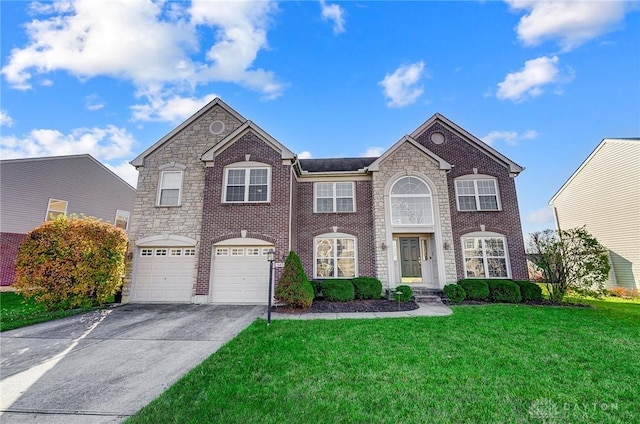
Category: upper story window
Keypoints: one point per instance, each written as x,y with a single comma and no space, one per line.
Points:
122,219
478,194
485,256
170,188
56,208
411,203
247,184
334,197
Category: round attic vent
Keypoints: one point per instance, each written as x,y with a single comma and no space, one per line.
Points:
216,127
437,138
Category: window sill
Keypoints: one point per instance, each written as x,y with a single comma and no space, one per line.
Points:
168,206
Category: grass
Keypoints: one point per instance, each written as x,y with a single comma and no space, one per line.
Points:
16,312
494,363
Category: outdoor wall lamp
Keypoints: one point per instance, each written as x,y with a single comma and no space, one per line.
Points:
271,257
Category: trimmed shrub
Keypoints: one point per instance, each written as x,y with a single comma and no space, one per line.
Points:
71,262
454,293
504,291
317,288
475,289
529,291
403,293
294,288
338,290
367,288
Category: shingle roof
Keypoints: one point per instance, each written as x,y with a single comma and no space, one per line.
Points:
335,164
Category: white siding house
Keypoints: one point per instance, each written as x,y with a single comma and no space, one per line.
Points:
603,194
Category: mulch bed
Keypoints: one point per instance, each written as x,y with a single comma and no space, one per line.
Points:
365,305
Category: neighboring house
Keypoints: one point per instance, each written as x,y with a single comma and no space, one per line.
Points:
217,193
35,190
604,195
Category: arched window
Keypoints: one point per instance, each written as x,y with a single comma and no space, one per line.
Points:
411,202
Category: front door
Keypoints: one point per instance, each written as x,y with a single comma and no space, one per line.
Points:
410,259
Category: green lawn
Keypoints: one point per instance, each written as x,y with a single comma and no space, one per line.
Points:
484,364
16,312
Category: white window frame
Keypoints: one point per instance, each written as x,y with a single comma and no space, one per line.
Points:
121,213
57,213
476,194
395,196
334,196
189,252
334,238
222,251
161,183
146,252
161,252
247,178
485,258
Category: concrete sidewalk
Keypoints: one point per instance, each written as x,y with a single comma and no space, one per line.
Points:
425,310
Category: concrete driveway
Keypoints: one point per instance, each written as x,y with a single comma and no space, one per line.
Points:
103,366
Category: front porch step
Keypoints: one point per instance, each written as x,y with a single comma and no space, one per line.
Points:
426,295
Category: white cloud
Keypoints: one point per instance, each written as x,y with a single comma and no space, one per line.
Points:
94,102
103,144
125,171
401,87
161,107
373,152
511,138
304,155
529,81
5,119
88,39
540,216
335,13
570,22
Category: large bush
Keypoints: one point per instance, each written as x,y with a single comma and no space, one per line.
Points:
71,262
294,288
403,293
338,290
475,289
454,293
504,291
529,291
367,288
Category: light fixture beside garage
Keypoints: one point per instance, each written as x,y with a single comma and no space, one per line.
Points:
271,257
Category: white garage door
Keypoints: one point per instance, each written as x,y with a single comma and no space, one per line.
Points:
164,274
240,274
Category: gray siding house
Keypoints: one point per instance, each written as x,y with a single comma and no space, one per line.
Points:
36,189
603,194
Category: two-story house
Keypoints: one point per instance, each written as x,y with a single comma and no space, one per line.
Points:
217,193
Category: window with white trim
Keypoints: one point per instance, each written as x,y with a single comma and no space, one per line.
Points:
55,208
485,257
477,194
146,252
222,251
161,252
253,251
169,188
175,252
189,252
237,251
247,184
334,257
411,202
334,197
122,219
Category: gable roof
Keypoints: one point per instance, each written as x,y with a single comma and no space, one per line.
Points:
408,139
210,154
590,157
139,160
471,139
335,164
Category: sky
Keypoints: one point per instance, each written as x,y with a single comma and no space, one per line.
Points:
543,82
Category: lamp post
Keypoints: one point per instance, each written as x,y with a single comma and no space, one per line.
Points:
271,257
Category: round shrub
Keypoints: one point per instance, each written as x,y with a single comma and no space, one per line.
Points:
504,291
403,293
367,288
454,292
338,290
294,288
475,289
529,291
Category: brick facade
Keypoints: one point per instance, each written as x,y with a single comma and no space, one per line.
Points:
9,245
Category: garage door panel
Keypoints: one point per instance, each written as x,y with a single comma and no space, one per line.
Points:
237,277
164,278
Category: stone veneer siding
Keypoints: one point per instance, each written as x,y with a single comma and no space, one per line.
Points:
464,157
358,224
184,148
264,221
408,160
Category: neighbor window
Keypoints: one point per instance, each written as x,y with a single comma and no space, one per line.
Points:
170,187
247,185
477,195
334,197
411,202
122,219
56,208
485,257
335,257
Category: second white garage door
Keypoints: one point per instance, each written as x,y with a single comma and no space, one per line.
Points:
240,274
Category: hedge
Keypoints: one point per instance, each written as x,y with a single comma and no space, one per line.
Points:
338,290
529,291
367,288
475,289
504,291
454,292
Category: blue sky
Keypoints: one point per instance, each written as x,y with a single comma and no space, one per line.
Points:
542,82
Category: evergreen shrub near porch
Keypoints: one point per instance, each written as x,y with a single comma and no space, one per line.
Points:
338,290
529,291
475,289
367,288
455,293
504,291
